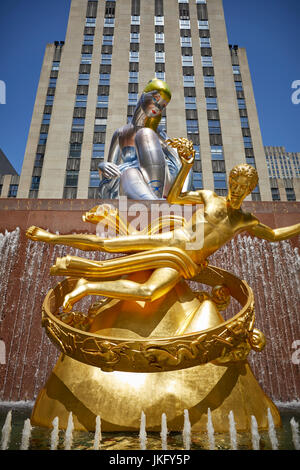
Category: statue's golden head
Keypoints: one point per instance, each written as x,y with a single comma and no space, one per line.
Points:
243,179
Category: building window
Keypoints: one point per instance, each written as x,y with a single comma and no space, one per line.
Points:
188,80
104,79
241,103
43,139
184,24
214,126
83,79
106,59
75,150
211,103
236,69
132,99
94,179
244,122
251,161
13,189
197,180
81,101
192,126
159,21
46,119
159,38
209,81
109,22
39,159
135,20
275,194
217,152
90,22
107,40
201,1
98,151
49,100
86,58
238,86
135,37
71,178
197,152
133,56
247,142
160,75
190,102
220,181
35,183
185,41
133,77
102,101
100,125
78,124
205,42
88,40
207,61
55,65
159,57
290,194
187,61
203,24
52,82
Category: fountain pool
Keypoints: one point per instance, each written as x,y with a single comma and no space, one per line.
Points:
40,438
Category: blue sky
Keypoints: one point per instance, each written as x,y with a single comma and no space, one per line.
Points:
268,29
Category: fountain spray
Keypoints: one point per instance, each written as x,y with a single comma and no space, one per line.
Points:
98,435
232,430
295,433
210,431
164,432
143,434
255,434
26,435
272,432
6,431
186,431
54,434
69,433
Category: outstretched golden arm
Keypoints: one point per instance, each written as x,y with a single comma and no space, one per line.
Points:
274,235
186,153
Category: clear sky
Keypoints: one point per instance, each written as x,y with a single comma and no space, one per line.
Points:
268,29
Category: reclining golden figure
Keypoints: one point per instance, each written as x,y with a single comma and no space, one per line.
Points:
172,255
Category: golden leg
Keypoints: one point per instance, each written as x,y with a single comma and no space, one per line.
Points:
161,281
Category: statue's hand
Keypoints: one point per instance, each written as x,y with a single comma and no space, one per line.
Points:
109,169
184,148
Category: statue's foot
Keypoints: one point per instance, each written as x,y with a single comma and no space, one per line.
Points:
39,234
75,295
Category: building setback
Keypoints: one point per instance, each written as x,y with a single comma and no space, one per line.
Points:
9,178
90,83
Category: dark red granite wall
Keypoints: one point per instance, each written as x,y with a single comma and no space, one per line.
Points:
25,279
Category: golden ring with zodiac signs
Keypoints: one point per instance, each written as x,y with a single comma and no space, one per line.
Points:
229,341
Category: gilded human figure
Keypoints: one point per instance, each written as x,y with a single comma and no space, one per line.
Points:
140,163
165,253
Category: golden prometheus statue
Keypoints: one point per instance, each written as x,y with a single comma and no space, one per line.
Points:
166,346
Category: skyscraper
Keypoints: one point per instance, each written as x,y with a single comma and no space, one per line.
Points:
284,173
90,83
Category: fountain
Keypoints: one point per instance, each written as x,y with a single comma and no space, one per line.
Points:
98,435
232,431
143,434
295,433
210,431
254,434
6,432
186,433
26,435
69,433
154,329
164,432
272,432
55,434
